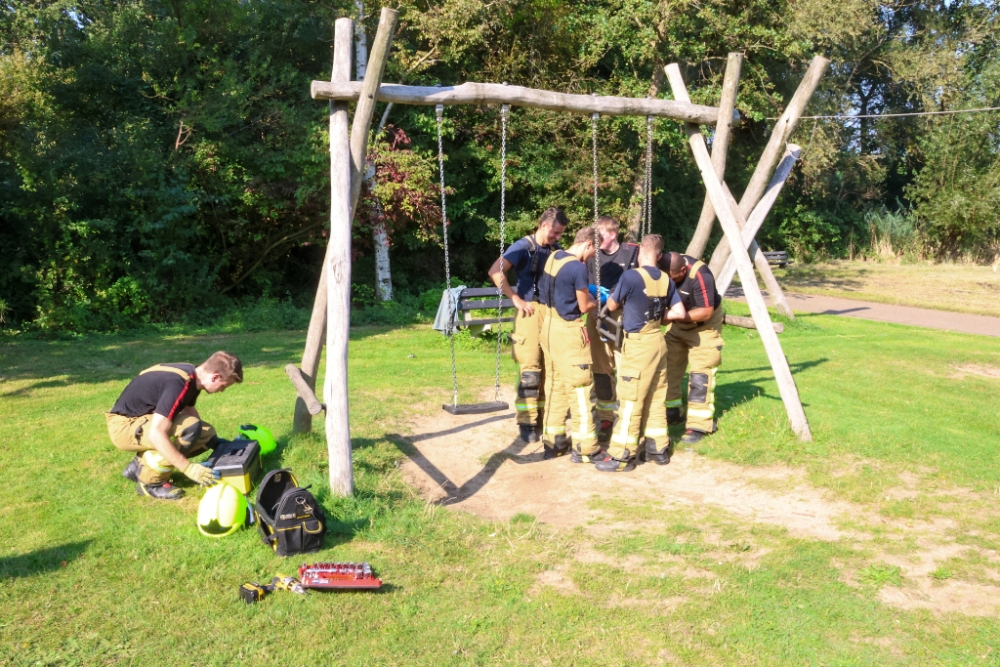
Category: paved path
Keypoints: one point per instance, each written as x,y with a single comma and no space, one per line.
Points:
881,312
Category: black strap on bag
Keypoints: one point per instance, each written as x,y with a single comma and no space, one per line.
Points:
291,521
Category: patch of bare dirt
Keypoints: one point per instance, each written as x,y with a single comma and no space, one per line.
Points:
477,464
958,597
556,579
920,590
991,372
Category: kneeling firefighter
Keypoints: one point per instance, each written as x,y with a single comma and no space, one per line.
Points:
155,417
648,299
694,341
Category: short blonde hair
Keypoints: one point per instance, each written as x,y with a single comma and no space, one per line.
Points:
225,364
608,224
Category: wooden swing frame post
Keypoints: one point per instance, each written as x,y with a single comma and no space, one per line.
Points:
720,148
773,150
758,309
704,228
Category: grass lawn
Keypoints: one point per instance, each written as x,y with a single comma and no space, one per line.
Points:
91,574
963,288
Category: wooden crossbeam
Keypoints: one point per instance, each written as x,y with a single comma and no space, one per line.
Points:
498,93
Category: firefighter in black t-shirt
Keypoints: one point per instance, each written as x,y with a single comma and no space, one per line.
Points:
155,417
696,341
616,258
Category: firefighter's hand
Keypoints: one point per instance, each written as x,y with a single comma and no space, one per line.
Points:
525,308
200,474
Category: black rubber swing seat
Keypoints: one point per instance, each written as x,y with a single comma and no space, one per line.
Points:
475,408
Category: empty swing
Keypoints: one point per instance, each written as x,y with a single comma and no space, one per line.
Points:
468,299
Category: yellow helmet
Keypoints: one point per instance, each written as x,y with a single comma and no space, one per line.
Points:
222,511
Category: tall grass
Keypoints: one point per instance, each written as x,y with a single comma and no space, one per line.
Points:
895,235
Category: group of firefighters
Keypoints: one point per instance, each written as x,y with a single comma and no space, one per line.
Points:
564,361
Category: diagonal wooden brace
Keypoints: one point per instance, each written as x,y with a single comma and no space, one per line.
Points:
753,224
758,309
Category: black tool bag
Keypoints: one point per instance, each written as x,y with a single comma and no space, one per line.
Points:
291,521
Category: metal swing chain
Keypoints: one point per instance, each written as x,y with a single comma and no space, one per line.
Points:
597,234
648,190
439,111
504,112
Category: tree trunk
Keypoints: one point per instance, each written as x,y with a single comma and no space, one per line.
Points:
380,237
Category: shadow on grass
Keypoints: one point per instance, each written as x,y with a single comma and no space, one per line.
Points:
796,368
100,358
41,561
458,429
455,493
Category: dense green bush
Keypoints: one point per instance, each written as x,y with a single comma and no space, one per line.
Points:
163,162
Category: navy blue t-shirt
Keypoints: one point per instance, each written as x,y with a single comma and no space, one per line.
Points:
631,294
519,254
562,296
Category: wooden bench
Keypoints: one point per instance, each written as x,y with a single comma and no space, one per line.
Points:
779,257
480,298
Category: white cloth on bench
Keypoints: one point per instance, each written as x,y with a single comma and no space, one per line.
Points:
442,318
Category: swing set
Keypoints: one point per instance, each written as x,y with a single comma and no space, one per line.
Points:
348,149
486,297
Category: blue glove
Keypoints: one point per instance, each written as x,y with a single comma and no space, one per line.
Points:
605,293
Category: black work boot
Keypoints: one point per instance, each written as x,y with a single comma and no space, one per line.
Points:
577,456
692,436
131,472
560,447
604,432
658,456
527,432
611,464
164,491
675,416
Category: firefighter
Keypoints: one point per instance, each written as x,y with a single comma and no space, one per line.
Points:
615,259
569,381
694,341
527,257
155,417
648,299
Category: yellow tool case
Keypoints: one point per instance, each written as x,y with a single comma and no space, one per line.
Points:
238,463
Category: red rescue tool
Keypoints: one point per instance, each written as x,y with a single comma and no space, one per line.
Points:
338,575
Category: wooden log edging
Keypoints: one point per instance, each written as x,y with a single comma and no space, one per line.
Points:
497,93
748,323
